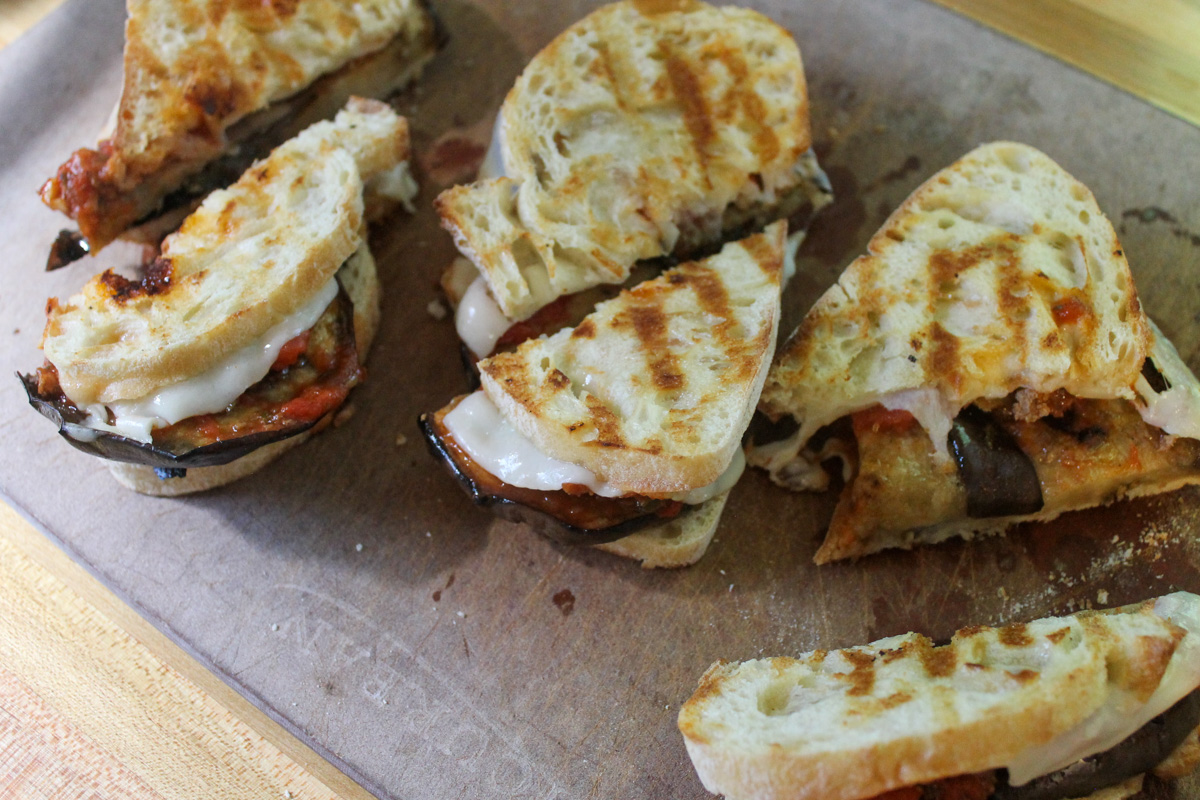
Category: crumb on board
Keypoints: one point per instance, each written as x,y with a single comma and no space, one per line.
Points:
401,440
436,309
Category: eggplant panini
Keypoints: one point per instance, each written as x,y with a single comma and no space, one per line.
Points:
633,418
249,330
210,87
993,361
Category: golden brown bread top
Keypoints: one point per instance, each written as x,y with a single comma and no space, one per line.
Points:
855,723
193,68
249,257
653,390
642,130
999,272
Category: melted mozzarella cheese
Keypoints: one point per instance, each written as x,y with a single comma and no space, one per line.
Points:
478,319
477,426
1123,714
1176,410
213,390
931,410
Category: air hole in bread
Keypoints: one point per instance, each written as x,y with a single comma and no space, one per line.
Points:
1085,217
1079,192
945,223
895,235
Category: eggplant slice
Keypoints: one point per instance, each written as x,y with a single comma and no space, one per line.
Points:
617,517
1140,753
334,330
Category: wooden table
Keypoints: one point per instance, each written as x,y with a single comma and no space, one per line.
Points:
93,696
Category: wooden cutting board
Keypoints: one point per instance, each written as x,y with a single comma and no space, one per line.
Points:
353,593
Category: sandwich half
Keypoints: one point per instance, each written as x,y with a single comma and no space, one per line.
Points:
1065,707
211,86
987,362
643,131
247,332
625,431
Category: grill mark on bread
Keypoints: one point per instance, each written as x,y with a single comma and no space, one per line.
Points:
584,330
942,365
862,676
650,325
696,116
1014,636
159,279
766,144
939,662
608,425
1057,636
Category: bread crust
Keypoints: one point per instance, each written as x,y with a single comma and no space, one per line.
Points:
677,543
855,723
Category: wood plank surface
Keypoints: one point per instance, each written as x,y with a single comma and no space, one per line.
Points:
1149,48
96,702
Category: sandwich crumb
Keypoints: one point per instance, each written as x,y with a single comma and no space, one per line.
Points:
275,626
436,309
358,548
401,440
343,415
1102,597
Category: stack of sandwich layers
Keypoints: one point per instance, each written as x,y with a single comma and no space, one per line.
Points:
987,362
210,87
643,134
249,329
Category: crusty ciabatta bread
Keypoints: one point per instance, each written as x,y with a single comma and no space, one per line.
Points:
991,361
359,279
999,273
856,723
653,390
196,68
641,131
250,256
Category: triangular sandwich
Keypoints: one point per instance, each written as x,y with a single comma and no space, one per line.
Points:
986,362
644,130
249,329
210,86
632,418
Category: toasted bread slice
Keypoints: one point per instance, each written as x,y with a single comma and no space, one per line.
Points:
653,390
999,288
637,133
859,722
251,256
196,73
999,273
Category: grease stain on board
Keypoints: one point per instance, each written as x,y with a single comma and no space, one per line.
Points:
1149,215
565,601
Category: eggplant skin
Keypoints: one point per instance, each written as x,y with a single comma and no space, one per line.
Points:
506,508
1140,753
120,448
999,477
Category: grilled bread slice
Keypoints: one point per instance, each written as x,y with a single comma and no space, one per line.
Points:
242,272
901,712
641,131
359,279
251,255
653,390
998,288
204,77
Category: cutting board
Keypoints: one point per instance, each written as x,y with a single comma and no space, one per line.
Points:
428,649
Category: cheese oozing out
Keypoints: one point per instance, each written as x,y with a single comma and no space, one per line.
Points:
211,391
477,426
1123,714
478,319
